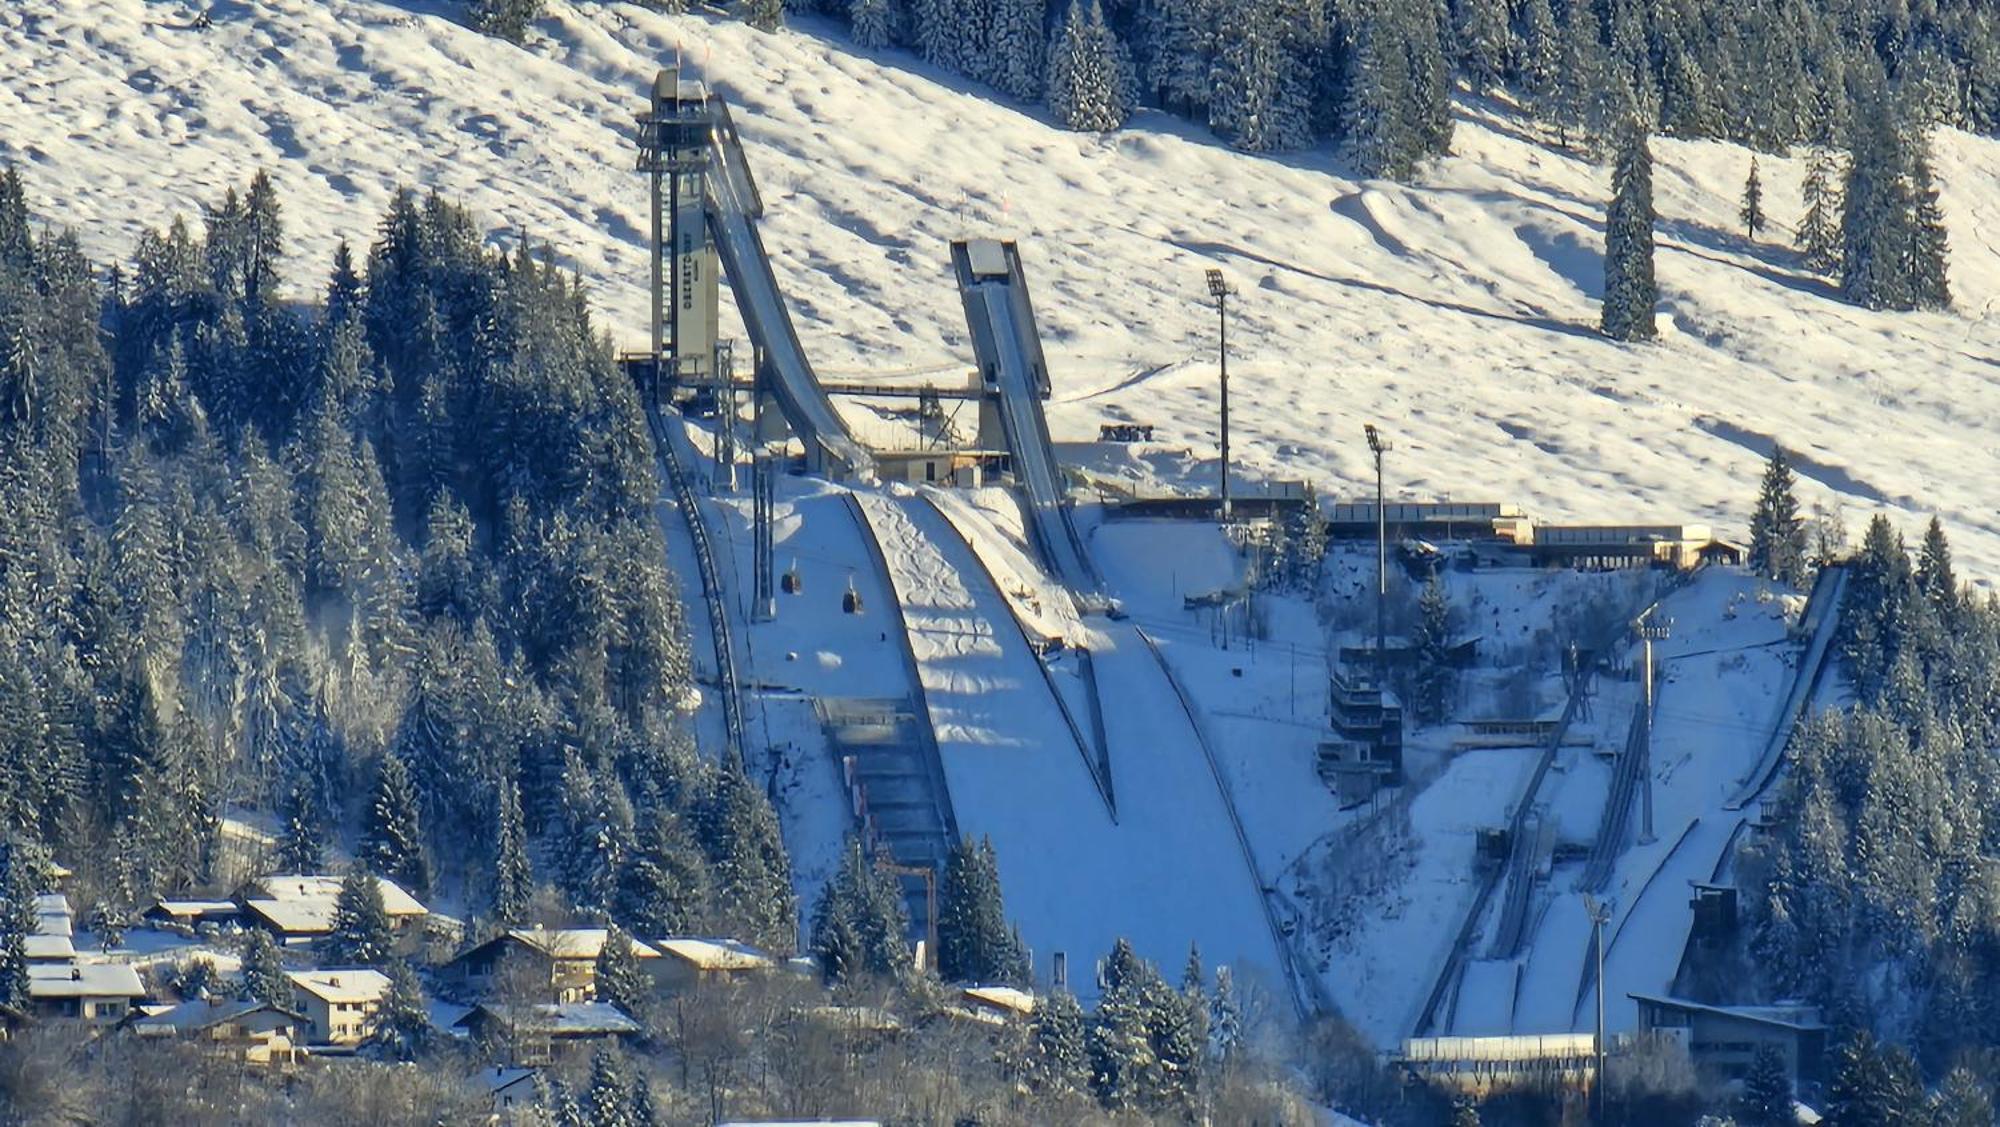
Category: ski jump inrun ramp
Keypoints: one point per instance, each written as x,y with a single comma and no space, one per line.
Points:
734,205
1009,351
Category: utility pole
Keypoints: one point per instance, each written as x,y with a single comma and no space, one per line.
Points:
1648,632
1220,291
1377,446
1600,914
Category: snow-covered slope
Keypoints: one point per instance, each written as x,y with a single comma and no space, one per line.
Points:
1456,313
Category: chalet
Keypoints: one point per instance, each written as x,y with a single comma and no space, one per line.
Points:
339,1006
97,993
300,909
189,915
557,963
252,1031
543,1031
1722,1040
512,1090
689,962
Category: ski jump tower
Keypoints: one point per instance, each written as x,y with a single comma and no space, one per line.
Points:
674,148
705,208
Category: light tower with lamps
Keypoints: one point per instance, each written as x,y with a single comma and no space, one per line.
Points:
1649,632
1220,290
1600,914
1378,446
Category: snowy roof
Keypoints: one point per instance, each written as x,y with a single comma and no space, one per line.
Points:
1008,998
44,947
53,904
200,1013
561,1019
1796,1015
716,954
85,980
573,942
304,905
499,1078
342,985
192,909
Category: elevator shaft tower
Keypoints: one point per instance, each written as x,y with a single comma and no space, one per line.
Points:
675,150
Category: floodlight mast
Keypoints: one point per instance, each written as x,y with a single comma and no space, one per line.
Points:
1219,289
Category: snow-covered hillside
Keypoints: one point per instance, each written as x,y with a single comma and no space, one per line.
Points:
1457,313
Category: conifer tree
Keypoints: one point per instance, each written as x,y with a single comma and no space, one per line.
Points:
974,941
1250,101
1538,56
506,19
301,848
1380,99
753,881
403,1027
1962,1101
1872,1085
513,877
1818,236
1582,84
868,22
1630,294
18,889
764,15
264,970
1777,532
1934,575
1766,1099
620,979
1058,1057
609,1099
362,934
393,845
1435,679
1484,42
1091,86
664,890
1752,211
1225,1017
1929,247
860,924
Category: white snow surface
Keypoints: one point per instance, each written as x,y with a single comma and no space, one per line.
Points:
1168,872
1457,312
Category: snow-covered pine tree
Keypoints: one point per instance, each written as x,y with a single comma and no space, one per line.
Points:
1485,44
1183,56
1537,57
868,22
1091,87
1777,532
1752,211
1766,1099
513,876
403,1027
935,31
1424,35
1019,46
621,981
1244,91
975,55
506,19
1876,223
1435,679
1630,294
1580,85
609,1098
264,971
859,924
1818,238
1057,1056
1962,1101
18,889
394,843
1929,246
361,935
1225,1017
974,942
301,848
764,15
664,889
1380,98
753,876
1934,574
